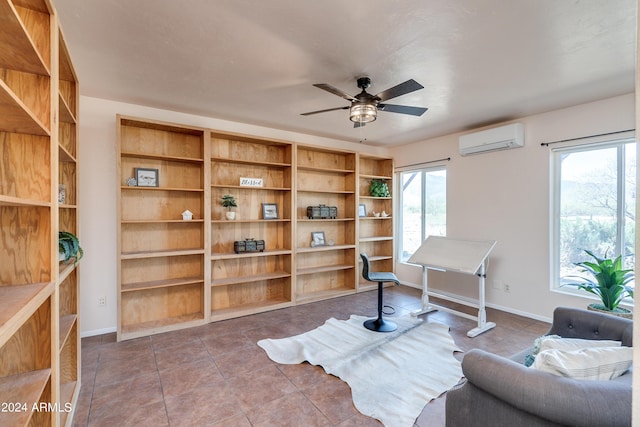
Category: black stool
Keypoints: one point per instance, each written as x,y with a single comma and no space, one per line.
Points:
379,324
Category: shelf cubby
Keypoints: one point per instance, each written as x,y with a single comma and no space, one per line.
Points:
252,296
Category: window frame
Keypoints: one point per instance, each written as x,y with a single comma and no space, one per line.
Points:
555,160
423,201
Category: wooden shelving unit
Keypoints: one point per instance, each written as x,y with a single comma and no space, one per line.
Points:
176,274
161,256
326,177
248,283
39,335
376,232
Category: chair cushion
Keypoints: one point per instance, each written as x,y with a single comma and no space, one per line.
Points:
594,363
383,277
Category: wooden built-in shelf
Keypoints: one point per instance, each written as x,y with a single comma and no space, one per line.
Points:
66,323
249,308
64,155
65,112
375,238
375,198
163,221
375,218
324,294
233,255
325,219
374,258
165,283
18,201
325,170
67,392
136,188
18,49
323,268
251,162
249,221
64,270
22,389
156,254
16,116
17,304
252,278
324,248
239,187
161,157
322,190
168,323
365,176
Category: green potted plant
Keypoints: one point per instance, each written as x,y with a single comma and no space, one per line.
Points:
69,247
228,201
379,188
607,279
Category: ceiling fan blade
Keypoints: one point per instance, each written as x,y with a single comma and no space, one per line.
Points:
324,111
402,109
398,90
335,91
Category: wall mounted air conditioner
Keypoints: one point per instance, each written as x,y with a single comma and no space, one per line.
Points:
500,138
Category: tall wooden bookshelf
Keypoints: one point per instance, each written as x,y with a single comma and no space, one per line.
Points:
39,331
376,230
176,274
162,265
252,282
326,177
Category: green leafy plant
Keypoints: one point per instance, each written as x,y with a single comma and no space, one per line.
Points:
69,246
228,201
379,188
605,278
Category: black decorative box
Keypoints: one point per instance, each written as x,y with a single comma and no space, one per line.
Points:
248,245
322,212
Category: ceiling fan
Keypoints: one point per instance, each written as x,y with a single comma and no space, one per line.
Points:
364,106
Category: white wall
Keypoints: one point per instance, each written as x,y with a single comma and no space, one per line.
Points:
504,196
98,194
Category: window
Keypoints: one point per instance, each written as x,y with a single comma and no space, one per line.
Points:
423,199
593,207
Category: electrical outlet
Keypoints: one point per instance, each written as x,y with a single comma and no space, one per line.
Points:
507,288
102,301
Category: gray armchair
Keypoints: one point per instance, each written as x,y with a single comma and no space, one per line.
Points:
501,391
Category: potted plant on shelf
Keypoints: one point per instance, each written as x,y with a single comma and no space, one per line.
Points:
228,201
607,279
69,247
379,188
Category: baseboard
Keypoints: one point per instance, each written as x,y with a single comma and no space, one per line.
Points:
86,334
490,305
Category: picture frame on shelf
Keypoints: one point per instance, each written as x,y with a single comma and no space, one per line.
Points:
270,211
318,238
146,177
362,210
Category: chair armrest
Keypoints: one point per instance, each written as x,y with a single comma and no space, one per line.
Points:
558,399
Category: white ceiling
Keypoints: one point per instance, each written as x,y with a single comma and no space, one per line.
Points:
254,61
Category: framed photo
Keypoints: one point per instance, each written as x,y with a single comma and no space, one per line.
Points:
146,177
317,238
362,210
269,211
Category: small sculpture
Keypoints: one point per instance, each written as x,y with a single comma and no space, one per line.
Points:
187,215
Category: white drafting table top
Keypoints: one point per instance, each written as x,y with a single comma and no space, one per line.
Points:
465,256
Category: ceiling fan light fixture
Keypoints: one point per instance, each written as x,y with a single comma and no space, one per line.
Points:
363,113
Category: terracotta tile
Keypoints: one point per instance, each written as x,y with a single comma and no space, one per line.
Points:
255,388
184,378
293,410
171,339
235,421
333,397
125,350
112,371
126,395
153,414
303,375
225,343
177,355
202,406
360,420
245,360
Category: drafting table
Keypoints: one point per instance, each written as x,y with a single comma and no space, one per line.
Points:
463,256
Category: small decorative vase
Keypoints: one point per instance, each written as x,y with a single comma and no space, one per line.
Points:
619,311
230,215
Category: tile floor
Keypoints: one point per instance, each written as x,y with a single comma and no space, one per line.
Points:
216,375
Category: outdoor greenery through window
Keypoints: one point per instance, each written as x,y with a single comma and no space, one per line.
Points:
594,205
423,208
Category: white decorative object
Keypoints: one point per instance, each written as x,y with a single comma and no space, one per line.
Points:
62,193
385,214
251,182
230,215
187,215
376,214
